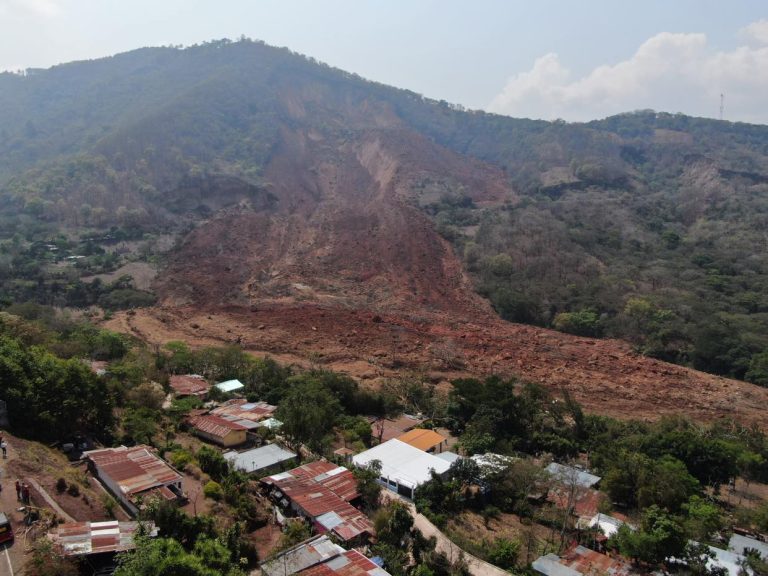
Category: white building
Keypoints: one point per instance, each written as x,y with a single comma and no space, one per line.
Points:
403,467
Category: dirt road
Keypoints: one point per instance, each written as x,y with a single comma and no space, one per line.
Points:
477,567
11,554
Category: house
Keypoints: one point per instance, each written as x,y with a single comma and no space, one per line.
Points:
740,544
189,385
135,474
384,429
90,538
606,523
581,561
403,467
319,556
584,503
321,492
218,430
261,460
240,410
426,440
230,386
571,475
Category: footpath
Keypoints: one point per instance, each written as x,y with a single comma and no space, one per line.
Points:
476,566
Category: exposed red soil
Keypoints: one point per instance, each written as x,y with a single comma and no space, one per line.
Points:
345,265
606,376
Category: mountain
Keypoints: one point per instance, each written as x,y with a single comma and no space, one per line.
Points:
296,208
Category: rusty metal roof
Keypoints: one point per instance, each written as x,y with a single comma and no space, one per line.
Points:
338,479
240,408
86,538
135,469
215,425
189,385
322,491
591,563
350,563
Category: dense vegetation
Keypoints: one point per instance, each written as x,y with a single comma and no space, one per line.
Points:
642,226
666,473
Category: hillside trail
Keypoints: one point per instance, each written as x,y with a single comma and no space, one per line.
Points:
443,544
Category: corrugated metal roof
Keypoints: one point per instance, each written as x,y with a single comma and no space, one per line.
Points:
320,488
591,563
134,470
388,429
585,501
259,458
739,543
85,538
241,409
422,439
189,384
550,565
569,474
350,563
214,425
301,556
449,457
402,463
230,385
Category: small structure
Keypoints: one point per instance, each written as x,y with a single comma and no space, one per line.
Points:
606,523
345,453
426,440
271,424
189,385
261,460
581,561
384,429
403,467
218,430
319,556
230,386
570,475
88,538
584,503
740,544
240,410
322,492
449,457
134,474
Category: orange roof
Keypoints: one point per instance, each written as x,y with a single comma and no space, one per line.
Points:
422,439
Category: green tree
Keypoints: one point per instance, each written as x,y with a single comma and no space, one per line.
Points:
660,536
308,413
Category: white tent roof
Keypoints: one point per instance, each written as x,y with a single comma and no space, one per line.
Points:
402,463
230,385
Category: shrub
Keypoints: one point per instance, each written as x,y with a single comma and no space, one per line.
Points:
213,490
61,485
72,490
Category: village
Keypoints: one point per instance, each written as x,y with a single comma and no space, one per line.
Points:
315,515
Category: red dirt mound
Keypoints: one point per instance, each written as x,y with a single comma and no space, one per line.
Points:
346,266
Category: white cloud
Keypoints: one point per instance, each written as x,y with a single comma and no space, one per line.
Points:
669,72
22,8
756,32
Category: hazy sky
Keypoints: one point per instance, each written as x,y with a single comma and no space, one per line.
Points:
570,59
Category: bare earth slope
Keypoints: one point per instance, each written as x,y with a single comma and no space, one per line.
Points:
346,267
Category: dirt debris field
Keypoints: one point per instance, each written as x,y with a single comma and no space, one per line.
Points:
605,376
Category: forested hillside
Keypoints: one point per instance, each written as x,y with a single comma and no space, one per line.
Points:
277,172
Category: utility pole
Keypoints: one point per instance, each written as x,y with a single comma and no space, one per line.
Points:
722,104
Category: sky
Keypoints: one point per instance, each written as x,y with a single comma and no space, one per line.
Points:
569,59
